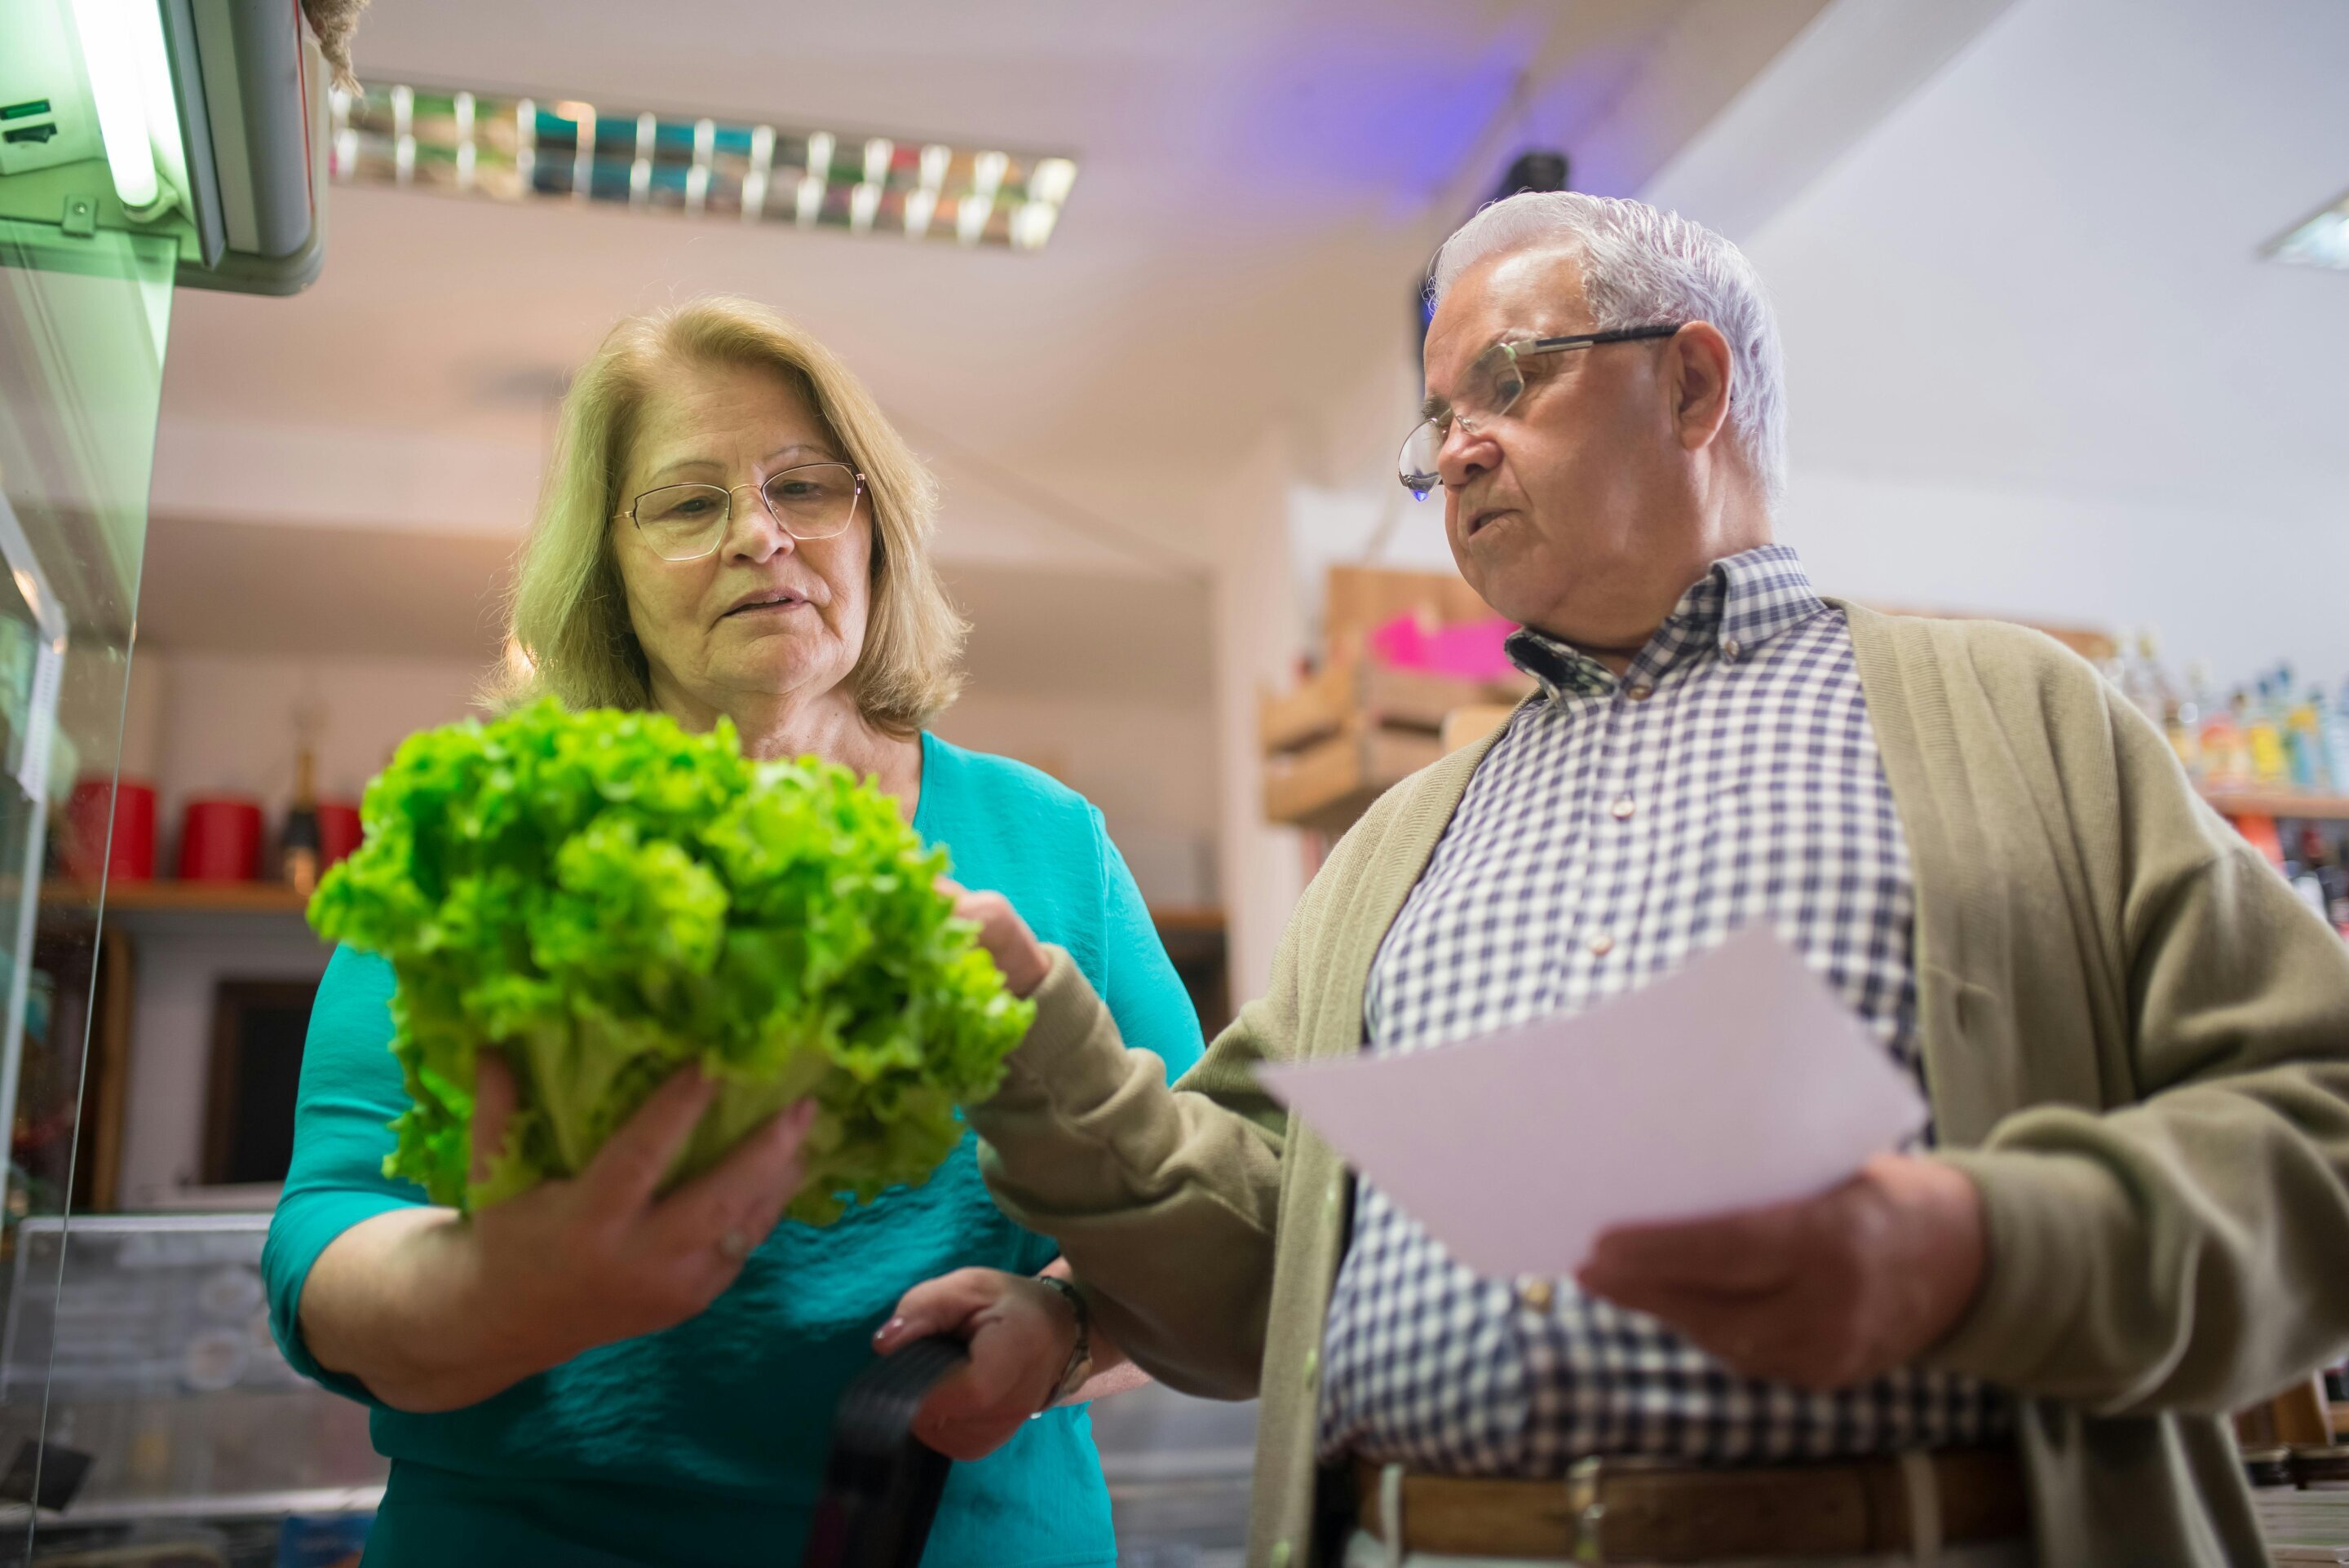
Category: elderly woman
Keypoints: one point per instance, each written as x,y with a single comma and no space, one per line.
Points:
591,1375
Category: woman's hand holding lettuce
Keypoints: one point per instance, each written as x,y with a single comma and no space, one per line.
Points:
606,900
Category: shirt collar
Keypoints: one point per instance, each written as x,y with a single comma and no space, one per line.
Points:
1739,606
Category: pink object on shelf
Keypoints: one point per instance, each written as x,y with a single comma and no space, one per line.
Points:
1472,651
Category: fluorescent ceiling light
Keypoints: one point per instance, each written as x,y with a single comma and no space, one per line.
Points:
496,147
1032,224
971,215
921,204
1051,182
111,54
2322,242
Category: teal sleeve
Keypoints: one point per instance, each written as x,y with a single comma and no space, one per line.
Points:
350,1090
1146,998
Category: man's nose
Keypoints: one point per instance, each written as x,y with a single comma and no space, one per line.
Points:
1465,453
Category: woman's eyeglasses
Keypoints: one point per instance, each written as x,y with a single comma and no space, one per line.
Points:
686,523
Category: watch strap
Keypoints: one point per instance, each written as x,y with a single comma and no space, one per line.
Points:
1080,1364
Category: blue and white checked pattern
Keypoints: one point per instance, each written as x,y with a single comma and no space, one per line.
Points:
1614,832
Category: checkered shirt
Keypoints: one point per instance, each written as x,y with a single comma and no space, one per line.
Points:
1614,832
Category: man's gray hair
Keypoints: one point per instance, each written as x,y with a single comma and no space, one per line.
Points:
1643,266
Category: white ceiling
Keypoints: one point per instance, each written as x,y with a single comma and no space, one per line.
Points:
1261,180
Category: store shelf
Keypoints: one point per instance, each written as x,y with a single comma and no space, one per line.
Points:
2278,803
179,897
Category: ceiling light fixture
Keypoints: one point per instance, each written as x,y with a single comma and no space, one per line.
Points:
971,215
111,57
920,205
491,146
2322,242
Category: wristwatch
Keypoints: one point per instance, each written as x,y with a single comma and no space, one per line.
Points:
1081,1354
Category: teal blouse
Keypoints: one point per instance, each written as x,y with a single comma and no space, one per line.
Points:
705,1444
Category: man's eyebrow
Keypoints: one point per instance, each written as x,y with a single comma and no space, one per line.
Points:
1434,407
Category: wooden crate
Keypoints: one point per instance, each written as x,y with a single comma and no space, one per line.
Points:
1359,598
1363,691
1358,726
1329,783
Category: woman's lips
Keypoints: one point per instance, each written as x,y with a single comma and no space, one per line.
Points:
765,606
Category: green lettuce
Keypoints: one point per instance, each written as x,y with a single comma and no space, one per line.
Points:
605,898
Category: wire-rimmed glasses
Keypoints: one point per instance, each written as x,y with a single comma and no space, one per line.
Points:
1493,382
686,523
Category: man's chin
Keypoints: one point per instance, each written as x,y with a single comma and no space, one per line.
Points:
1496,564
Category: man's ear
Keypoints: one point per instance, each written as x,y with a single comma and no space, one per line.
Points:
1698,370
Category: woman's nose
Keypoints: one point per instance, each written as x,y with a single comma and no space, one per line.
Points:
753,532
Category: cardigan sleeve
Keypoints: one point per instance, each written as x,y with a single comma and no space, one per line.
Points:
2188,1251
1164,1200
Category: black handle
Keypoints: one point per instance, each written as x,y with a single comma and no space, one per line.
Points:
881,1485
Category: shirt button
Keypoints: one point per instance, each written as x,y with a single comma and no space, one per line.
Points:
1337,1198
1602,945
1639,692
1313,1368
1281,1554
1623,808
1536,1296
1731,648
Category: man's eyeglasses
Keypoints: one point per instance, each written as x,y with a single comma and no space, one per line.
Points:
1494,380
686,523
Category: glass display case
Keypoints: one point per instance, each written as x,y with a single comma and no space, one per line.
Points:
145,1416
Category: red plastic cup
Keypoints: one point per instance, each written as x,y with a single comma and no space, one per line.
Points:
220,840
109,830
338,831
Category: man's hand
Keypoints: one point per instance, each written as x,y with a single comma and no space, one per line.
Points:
1004,935
1019,1333
1822,1294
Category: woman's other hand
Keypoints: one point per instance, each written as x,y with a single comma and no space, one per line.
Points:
599,1257
433,1312
1019,1333
1004,935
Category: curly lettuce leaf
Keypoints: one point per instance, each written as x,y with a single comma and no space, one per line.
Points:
603,898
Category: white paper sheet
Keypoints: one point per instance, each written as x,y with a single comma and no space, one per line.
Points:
1738,1081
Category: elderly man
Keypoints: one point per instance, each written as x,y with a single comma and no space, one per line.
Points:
2016,1342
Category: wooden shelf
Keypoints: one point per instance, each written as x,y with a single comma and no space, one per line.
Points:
2277,803
178,897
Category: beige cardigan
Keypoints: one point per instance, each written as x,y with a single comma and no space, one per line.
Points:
2137,1043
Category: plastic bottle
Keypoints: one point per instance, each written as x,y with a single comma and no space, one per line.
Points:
2226,758
2336,739
2264,732
2139,673
2185,722
2311,771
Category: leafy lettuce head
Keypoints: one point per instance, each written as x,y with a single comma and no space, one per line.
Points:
605,899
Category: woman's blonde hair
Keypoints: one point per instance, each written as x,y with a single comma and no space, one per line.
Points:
570,637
